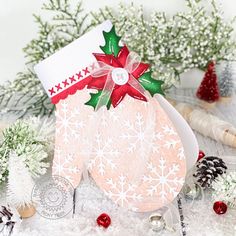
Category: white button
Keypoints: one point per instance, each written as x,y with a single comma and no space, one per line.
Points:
120,76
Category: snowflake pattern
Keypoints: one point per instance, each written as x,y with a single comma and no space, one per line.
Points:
171,143
181,154
169,130
107,115
133,132
139,136
103,116
67,122
123,192
163,180
63,165
102,155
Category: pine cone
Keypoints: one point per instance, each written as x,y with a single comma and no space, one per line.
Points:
208,169
5,220
9,218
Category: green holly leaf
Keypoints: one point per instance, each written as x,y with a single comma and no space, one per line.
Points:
150,84
111,42
94,100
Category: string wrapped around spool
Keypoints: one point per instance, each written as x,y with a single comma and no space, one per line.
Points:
207,124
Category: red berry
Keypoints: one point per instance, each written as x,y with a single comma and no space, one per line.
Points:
201,154
104,220
220,208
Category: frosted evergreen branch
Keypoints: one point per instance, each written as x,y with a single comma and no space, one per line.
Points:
224,189
32,141
41,47
24,96
75,19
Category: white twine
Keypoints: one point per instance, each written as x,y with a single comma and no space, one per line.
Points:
208,124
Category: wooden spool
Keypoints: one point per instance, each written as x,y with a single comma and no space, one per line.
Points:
26,211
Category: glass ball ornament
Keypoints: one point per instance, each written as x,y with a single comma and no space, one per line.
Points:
157,223
192,193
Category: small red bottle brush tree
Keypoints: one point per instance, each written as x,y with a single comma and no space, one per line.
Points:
209,89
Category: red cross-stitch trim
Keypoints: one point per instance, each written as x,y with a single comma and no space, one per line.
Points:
51,91
73,83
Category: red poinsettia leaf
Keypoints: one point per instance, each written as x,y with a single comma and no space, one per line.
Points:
140,70
118,94
97,82
122,55
108,59
135,94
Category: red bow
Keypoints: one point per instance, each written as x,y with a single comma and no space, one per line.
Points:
119,91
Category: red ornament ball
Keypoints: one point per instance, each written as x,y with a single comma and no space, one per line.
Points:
220,208
104,220
201,154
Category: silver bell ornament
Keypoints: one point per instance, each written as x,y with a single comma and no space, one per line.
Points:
157,222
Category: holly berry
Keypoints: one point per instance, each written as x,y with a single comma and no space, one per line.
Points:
220,208
104,220
201,154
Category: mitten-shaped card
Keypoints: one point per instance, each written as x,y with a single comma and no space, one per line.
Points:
114,124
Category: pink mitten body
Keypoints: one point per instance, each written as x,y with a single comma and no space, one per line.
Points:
133,152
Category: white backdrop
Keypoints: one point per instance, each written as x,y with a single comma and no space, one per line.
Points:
17,27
